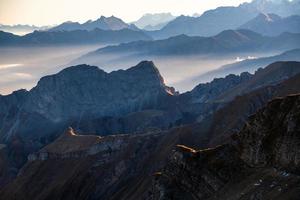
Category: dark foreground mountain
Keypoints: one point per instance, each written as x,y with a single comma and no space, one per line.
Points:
130,101
72,37
262,161
80,93
122,166
104,23
272,25
226,43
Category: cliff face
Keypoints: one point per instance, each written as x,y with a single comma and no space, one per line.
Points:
238,110
84,93
272,136
88,91
209,91
261,163
90,99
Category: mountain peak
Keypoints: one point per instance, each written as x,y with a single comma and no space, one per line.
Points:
89,91
145,64
81,68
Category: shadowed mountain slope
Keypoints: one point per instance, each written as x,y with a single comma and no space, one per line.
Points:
262,161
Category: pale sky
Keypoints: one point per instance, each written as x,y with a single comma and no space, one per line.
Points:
50,12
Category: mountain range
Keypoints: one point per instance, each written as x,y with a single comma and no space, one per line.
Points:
72,37
146,165
79,96
214,21
225,43
272,24
249,65
104,23
21,29
86,133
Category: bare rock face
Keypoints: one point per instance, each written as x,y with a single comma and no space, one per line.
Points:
262,162
195,174
86,90
83,93
272,136
91,167
209,91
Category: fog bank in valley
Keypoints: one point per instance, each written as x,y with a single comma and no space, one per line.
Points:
177,71
22,67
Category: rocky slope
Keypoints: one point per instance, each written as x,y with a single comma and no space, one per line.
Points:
92,100
110,167
83,92
261,163
120,166
270,75
241,107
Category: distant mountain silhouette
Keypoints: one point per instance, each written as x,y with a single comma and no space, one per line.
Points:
154,21
249,65
272,24
72,37
104,23
214,21
20,29
227,42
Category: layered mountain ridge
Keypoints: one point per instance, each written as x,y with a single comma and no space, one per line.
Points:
85,92
261,164
216,20
122,166
228,42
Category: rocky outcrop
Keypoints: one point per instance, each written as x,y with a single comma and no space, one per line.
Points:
85,93
206,92
261,163
96,92
238,110
110,167
92,100
271,136
273,74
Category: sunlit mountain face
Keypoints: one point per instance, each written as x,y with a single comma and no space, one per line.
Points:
149,100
